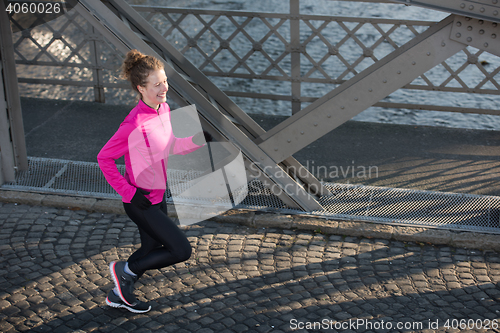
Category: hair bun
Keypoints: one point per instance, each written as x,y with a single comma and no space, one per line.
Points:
132,59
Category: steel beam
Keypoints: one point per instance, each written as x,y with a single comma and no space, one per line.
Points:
484,35
362,91
244,122
12,142
7,166
481,9
295,54
118,33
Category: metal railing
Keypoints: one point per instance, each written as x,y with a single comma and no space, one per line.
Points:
277,56
452,211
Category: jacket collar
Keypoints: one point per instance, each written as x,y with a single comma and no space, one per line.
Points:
149,109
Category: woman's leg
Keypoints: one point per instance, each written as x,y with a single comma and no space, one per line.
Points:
148,244
162,242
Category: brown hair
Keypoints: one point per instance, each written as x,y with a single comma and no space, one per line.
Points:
137,66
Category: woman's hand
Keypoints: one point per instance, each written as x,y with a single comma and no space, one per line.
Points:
139,200
198,138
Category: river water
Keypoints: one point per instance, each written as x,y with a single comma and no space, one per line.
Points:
372,10
471,75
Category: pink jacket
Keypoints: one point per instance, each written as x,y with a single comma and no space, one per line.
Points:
146,139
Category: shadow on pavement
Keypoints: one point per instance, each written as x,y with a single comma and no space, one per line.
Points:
55,279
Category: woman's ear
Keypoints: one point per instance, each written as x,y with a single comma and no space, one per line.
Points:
140,88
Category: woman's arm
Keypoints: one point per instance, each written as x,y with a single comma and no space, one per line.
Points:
115,148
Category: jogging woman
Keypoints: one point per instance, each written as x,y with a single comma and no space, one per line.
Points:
145,139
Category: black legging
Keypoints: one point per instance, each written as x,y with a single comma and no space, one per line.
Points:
162,242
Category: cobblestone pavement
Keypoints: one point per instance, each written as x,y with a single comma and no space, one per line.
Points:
54,278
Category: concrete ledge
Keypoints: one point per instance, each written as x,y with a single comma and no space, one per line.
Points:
365,229
27,198
272,221
114,206
306,223
240,217
475,240
61,201
423,235
260,219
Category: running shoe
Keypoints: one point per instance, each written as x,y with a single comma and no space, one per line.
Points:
124,282
115,301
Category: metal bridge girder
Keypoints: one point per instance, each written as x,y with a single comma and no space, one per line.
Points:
362,91
483,35
481,9
242,120
12,142
121,35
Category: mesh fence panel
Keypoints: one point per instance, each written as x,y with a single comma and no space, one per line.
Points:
353,202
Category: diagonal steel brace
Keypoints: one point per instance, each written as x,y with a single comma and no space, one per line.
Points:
362,91
214,106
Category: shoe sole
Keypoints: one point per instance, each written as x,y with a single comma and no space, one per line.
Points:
117,283
120,305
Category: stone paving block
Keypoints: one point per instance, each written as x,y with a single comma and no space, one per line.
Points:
253,276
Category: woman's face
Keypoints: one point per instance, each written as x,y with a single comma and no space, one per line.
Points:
155,91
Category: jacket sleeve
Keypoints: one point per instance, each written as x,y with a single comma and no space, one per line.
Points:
115,148
183,146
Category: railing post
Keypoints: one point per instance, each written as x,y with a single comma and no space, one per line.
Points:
97,70
12,141
295,53
7,161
